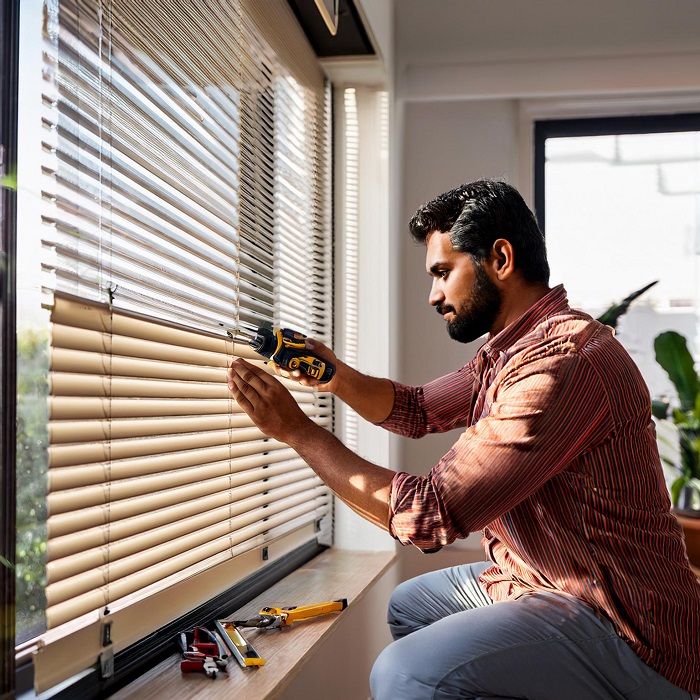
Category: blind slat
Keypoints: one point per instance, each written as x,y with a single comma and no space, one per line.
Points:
166,471
76,431
113,449
96,341
72,384
114,570
245,540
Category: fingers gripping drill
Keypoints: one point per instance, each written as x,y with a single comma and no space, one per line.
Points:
287,348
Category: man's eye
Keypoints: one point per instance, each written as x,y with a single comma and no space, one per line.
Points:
443,274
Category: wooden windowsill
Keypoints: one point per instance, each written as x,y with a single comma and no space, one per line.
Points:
332,575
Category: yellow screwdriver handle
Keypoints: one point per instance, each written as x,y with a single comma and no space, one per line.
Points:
304,612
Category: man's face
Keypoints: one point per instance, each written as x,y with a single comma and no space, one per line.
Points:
462,292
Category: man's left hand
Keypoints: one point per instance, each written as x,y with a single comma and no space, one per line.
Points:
268,403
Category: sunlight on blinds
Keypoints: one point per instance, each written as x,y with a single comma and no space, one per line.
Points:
185,186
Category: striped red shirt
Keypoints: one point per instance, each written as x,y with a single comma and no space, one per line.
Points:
559,467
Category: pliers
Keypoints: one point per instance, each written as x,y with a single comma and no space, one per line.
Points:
201,651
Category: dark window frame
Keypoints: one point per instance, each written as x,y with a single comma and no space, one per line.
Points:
599,126
9,79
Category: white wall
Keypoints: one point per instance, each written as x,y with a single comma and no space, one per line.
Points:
452,32
444,144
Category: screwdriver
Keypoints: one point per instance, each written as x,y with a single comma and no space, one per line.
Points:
287,348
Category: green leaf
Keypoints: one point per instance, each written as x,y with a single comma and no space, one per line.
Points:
676,488
696,410
690,458
673,355
612,315
680,418
5,562
659,408
9,181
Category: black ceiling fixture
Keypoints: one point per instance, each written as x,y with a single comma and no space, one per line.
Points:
351,39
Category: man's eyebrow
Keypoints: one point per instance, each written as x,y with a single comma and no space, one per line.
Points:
436,267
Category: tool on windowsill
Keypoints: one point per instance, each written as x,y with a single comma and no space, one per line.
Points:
201,651
272,618
242,650
285,347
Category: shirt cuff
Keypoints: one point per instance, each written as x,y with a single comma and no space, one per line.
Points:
403,417
395,525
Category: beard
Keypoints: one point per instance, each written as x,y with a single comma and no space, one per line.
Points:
479,313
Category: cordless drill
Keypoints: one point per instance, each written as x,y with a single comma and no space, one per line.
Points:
287,348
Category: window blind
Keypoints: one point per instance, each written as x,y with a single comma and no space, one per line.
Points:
133,501
185,186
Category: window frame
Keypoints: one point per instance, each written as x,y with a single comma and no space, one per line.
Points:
9,85
598,126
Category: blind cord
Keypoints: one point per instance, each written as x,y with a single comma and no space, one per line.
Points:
105,92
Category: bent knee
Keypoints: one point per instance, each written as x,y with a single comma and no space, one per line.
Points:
402,598
402,609
393,675
381,680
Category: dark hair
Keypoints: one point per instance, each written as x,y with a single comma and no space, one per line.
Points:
476,215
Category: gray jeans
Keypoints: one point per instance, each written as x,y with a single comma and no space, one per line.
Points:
452,641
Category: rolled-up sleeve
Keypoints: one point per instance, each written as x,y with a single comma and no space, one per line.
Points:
417,514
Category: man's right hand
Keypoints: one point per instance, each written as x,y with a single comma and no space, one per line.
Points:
322,351
371,397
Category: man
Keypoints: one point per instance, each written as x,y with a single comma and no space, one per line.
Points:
587,592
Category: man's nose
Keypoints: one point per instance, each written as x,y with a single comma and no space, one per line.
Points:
436,296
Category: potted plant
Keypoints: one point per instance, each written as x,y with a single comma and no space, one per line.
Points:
674,357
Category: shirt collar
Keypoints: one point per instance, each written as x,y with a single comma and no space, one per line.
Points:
554,301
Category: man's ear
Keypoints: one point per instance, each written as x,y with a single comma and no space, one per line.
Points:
502,260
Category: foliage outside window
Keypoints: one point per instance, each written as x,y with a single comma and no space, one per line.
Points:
32,464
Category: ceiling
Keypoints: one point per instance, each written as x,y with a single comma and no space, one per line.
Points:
433,32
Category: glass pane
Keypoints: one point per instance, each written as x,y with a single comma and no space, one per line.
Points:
32,341
623,211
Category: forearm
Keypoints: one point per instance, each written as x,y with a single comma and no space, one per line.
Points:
371,397
363,486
